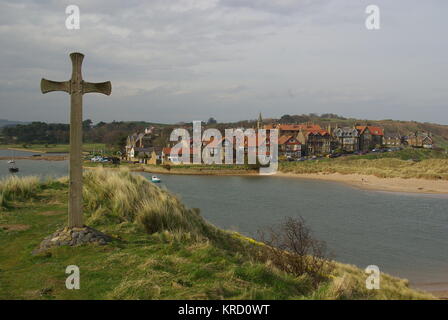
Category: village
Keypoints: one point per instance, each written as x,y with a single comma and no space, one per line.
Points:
296,142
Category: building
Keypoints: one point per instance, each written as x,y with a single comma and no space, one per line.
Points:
312,138
393,140
289,146
347,139
259,122
292,129
370,137
138,142
175,159
150,155
315,142
420,139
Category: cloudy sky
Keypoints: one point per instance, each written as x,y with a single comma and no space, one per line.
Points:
182,60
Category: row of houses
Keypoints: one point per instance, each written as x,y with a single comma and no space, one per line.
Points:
311,139
418,139
295,141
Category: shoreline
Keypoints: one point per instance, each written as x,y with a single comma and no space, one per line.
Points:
370,182
34,150
439,290
45,157
365,182
183,171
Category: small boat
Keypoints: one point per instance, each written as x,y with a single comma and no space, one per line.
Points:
12,162
155,179
13,169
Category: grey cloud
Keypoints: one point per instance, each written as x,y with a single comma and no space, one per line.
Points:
177,60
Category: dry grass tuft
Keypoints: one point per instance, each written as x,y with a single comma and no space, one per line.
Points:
18,188
119,196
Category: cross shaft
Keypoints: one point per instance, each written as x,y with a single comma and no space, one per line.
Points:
76,87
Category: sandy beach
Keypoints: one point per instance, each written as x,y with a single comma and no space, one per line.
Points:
413,185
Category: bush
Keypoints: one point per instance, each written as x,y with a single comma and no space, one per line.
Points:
291,247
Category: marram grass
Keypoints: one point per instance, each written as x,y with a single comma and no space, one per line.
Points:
432,169
117,196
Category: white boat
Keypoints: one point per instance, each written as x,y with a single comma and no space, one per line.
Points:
12,161
155,179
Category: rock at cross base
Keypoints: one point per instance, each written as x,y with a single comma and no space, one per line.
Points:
73,237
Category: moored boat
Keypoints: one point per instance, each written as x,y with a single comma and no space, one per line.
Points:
155,179
12,162
13,169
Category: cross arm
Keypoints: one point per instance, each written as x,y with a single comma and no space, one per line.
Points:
48,86
101,87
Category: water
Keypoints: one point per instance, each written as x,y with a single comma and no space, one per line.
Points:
404,234
41,168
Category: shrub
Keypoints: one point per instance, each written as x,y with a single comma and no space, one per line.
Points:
291,247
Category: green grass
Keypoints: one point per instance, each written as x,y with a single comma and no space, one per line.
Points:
407,154
171,254
54,148
407,163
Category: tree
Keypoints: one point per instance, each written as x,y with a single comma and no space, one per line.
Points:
212,120
291,247
87,124
286,119
100,124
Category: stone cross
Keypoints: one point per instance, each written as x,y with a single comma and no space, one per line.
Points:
75,87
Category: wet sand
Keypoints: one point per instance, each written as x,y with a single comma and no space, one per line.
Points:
412,185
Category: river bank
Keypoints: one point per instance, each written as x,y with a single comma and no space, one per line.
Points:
44,157
370,182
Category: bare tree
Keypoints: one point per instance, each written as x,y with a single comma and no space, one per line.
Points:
291,247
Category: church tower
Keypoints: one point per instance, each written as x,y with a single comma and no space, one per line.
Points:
259,122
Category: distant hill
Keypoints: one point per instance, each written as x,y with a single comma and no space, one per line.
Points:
6,123
115,133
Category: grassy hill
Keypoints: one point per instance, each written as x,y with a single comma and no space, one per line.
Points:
161,250
407,163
